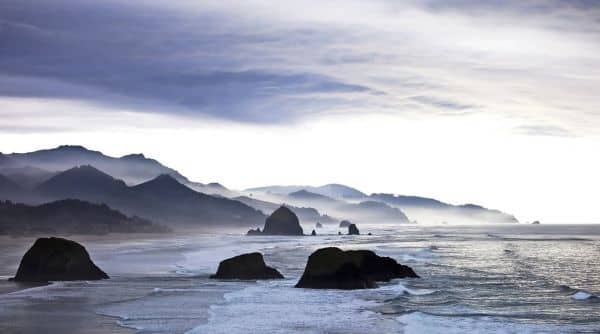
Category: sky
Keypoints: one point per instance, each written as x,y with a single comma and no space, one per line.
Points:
488,102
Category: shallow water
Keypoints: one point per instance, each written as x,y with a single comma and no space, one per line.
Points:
485,279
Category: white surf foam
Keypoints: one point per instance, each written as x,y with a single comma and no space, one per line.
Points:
402,289
582,295
278,307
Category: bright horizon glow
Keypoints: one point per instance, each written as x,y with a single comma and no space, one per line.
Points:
484,165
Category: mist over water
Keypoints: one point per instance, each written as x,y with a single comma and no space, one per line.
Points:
485,279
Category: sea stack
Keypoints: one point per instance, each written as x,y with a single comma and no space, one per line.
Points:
57,259
333,268
313,232
282,221
254,232
246,267
353,230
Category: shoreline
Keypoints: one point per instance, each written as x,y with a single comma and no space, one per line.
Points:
7,286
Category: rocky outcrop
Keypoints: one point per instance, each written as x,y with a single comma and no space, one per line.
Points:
246,267
345,223
313,232
282,222
318,225
332,268
353,230
57,259
254,232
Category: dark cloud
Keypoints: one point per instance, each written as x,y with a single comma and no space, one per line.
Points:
248,67
125,55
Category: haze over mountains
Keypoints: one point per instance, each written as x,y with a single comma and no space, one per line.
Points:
333,190
132,168
139,186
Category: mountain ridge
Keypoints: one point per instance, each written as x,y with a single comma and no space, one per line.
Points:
132,168
70,216
163,198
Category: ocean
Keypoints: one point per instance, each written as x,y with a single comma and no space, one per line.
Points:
474,279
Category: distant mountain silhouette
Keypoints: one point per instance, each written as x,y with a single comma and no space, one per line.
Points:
5,161
67,172
365,211
410,200
8,188
85,182
307,195
162,199
213,188
71,217
383,207
26,176
333,190
133,168
433,211
304,214
374,211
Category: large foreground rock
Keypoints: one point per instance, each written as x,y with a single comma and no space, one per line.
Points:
246,267
332,268
57,259
283,221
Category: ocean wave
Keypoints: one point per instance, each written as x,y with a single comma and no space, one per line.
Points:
172,290
421,255
278,308
583,295
578,294
401,289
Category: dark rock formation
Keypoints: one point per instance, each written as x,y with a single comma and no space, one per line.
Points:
57,259
353,230
254,232
318,225
313,232
282,222
345,223
246,266
332,268
537,222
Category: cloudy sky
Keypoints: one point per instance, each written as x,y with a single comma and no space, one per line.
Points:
492,102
